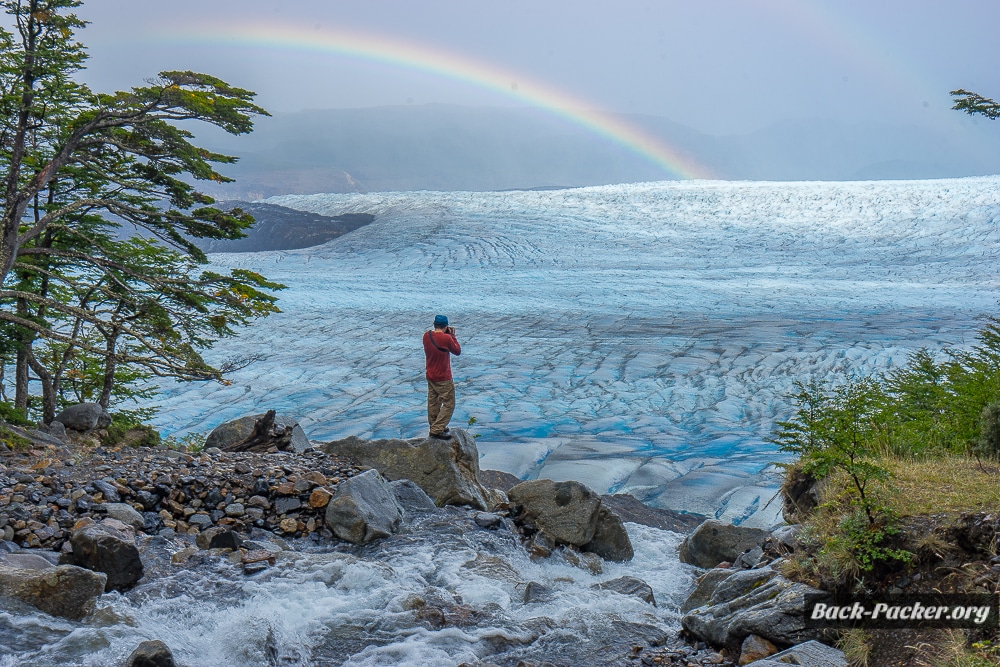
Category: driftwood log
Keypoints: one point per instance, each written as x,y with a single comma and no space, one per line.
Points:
266,434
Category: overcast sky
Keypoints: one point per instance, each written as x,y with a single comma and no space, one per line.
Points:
720,66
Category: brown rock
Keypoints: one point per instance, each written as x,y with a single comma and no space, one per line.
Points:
319,498
755,648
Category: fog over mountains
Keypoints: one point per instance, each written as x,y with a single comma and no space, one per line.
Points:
444,147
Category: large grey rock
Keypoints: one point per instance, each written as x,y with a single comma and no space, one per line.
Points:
447,470
104,547
65,590
772,610
411,497
84,417
126,514
740,582
151,654
610,541
704,588
715,541
363,509
629,586
566,511
240,429
808,654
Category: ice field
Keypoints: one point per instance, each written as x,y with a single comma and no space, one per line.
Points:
636,338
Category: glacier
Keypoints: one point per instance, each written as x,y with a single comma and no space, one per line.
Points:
639,338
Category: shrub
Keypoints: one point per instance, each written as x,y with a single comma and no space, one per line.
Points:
12,415
988,444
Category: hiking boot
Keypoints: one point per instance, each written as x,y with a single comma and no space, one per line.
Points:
440,436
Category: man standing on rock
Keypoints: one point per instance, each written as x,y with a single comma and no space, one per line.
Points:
439,344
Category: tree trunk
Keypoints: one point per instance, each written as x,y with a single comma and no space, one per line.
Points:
21,380
109,371
48,392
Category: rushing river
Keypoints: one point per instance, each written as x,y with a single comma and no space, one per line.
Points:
441,592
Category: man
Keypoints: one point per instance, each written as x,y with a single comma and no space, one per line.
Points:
439,344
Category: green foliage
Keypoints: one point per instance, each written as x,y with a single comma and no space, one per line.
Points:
865,542
128,428
988,445
838,429
94,308
974,103
12,415
13,440
189,442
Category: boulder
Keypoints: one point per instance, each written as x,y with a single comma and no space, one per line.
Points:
363,509
715,541
738,583
238,430
771,609
65,590
151,654
566,511
629,586
447,470
610,541
104,547
411,497
84,417
704,588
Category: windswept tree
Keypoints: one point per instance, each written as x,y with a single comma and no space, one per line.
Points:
974,103
99,212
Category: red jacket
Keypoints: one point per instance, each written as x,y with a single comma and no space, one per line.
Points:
439,361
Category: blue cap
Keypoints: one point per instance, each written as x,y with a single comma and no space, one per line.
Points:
440,321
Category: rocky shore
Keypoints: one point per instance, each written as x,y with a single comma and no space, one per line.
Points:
79,521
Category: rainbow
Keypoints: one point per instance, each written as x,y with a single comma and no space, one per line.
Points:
398,53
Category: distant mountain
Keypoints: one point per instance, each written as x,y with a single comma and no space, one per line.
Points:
444,147
280,228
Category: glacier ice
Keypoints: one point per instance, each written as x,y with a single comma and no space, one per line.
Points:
633,324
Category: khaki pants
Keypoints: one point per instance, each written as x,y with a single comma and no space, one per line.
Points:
440,405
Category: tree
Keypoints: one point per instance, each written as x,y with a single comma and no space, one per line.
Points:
974,103
82,170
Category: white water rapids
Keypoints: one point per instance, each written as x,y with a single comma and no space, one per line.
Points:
359,606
